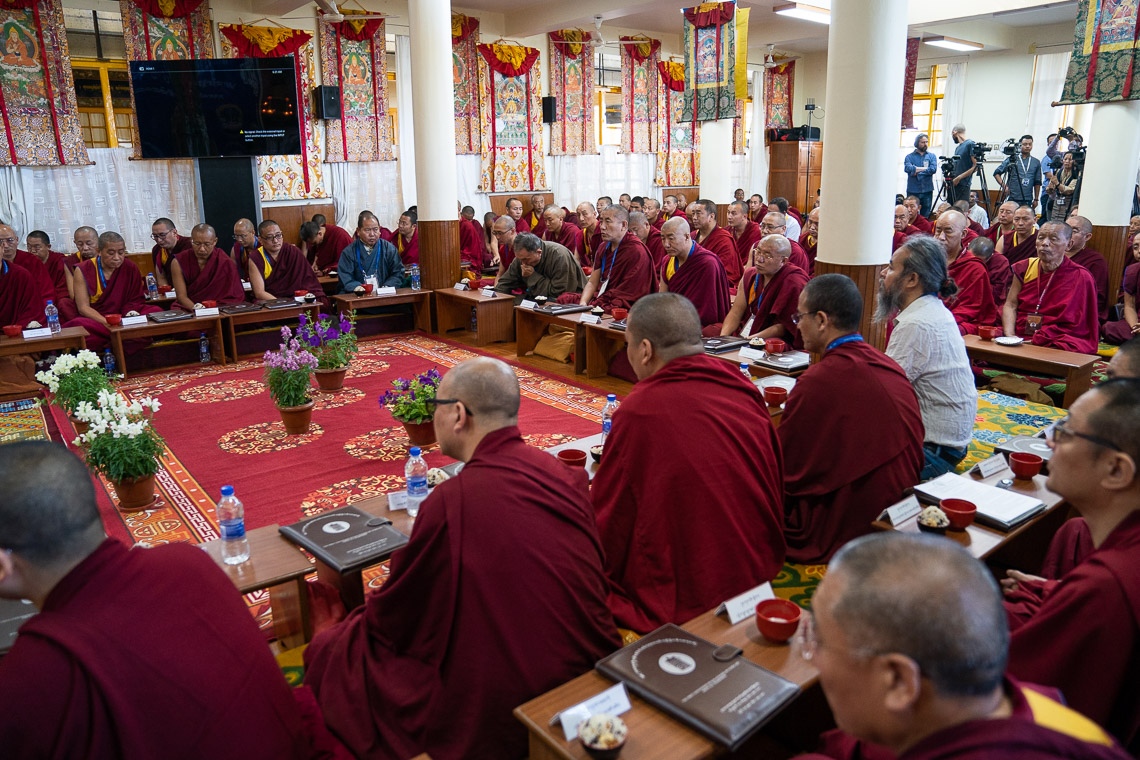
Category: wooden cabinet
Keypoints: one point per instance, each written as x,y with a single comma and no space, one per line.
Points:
794,172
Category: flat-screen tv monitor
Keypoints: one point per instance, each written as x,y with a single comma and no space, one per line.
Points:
217,107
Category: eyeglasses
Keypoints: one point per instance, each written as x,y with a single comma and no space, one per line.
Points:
799,315
1061,432
7,241
435,402
767,256
772,227
499,233
160,235
277,236
806,641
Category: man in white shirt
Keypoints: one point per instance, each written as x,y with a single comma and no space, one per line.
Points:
927,345
977,212
781,204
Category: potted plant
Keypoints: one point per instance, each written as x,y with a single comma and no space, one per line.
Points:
332,341
408,403
74,379
288,371
121,443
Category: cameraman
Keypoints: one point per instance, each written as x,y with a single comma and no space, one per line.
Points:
920,167
1023,173
965,164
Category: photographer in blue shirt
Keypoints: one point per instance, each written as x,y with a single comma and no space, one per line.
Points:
1020,175
920,167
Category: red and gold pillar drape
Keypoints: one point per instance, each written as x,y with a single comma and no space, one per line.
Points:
572,85
778,87
510,115
465,71
678,147
640,91
353,59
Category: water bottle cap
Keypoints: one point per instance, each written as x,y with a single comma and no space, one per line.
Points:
744,365
611,397
414,451
227,490
49,303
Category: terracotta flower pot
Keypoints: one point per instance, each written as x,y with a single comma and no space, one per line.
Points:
81,427
420,433
297,418
329,380
134,494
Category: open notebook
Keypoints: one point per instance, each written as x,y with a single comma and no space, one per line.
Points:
997,507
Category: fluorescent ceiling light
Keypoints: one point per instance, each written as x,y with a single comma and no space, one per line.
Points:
952,43
804,12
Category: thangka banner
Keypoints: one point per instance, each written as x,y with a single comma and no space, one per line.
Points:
283,178
353,58
464,70
678,146
738,130
572,85
713,32
510,114
1103,65
778,83
908,83
639,94
37,92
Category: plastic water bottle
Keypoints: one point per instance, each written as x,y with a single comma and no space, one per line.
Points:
231,520
744,371
415,478
51,313
108,361
204,349
474,320
415,276
608,416
151,286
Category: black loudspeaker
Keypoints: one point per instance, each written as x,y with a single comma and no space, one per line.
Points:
326,102
549,104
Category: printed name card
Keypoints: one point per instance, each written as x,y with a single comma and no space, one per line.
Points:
385,291
299,299
903,511
528,304
170,294
489,293
744,606
752,354
247,286
134,321
461,286
38,332
590,319
612,701
210,312
991,466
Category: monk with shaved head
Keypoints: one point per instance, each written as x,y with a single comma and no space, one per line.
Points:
205,273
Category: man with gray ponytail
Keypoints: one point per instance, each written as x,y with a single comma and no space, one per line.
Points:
926,343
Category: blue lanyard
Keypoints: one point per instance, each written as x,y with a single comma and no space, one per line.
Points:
99,267
357,247
759,293
613,250
5,264
852,338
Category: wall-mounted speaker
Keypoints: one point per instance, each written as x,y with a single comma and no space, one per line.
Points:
326,102
549,105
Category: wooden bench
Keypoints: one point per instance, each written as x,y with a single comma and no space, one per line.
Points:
1075,368
494,315
262,317
531,325
419,299
67,339
212,326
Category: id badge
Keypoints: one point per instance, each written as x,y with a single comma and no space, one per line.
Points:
1032,323
605,284
747,329
1025,181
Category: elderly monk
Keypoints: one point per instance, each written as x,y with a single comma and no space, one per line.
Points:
852,429
541,268
536,217
41,277
20,303
745,233
695,273
369,256
702,217
39,245
653,213
499,596
1079,633
407,238
245,242
322,243
1079,252
1021,243
85,240
515,212
768,294
278,269
1052,301
914,214
108,284
591,233
809,238
776,223
85,675
666,566
622,267
167,244
556,229
908,635
903,227
205,273
1003,222
503,230
997,266
639,225
973,304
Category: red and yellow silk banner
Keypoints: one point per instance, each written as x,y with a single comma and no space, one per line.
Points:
640,92
510,116
778,84
716,55
572,85
1103,64
465,74
678,146
353,59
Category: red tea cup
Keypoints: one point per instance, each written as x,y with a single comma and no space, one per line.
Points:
572,457
114,319
1025,466
620,313
775,346
778,619
774,395
13,331
989,332
368,288
959,512
209,304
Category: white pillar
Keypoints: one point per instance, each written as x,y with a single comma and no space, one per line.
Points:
432,108
1110,165
866,53
716,160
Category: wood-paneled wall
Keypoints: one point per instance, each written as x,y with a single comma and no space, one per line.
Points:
499,201
439,253
290,218
866,277
1111,241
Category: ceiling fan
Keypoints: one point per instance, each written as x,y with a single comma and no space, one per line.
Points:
331,13
771,62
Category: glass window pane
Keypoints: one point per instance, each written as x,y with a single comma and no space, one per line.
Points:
940,85
120,89
88,89
921,107
922,87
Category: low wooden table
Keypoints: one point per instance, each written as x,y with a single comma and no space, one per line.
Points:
67,339
350,584
495,316
1075,368
330,283
757,370
531,325
419,299
262,316
210,325
600,339
582,444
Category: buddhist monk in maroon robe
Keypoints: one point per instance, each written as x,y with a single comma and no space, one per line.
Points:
85,239
536,217
245,240
515,211
1021,243
278,269
622,268
1090,259
1052,301
499,597
639,225
167,244
695,273
39,245
557,230
768,295
757,208
1003,222
997,268
471,244
745,232
19,301
809,238
108,284
325,249
667,563
1080,633
916,219
852,431
206,273
41,278
135,653
716,239
973,304
407,239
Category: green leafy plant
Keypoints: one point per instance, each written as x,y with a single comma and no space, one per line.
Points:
288,371
121,443
408,399
331,339
74,379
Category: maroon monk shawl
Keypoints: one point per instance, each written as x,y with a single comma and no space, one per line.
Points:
1067,301
471,244
975,228
799,257
629,273
993,232
96,678
569,236
41,277
162,257
1118,330
1001,276
326,255
701,279
656,247
810,244
1091,260
922,223
852,440
744,242
720,242
217,281
897,240
122,293
1070,545
778,300
537,224
974,303
59,273
19,301
1019,249
291,272
683,532
409,250
1081,634
591,242
499,597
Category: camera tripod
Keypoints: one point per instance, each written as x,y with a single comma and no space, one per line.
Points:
945,194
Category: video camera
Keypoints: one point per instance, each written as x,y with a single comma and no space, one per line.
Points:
981,149
1067,132
947,166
